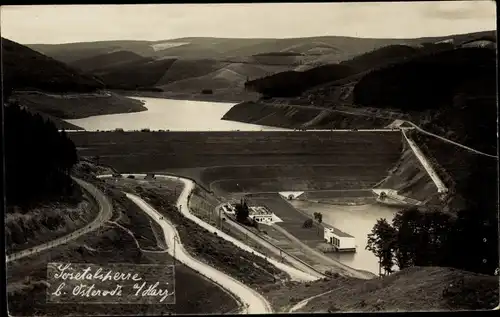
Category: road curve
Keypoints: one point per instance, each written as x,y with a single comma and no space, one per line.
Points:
255,302
294,273
105,213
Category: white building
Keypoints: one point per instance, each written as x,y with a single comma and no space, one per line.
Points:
263,218
341,241
228,209
260,214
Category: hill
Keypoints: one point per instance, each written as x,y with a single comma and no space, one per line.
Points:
72,52
54,89
25,68
95,63
435,86
142,73
293,83
120,66
416,288
42,201
445,88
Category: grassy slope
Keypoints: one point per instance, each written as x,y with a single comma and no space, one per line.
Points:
29,227
28,70
284,116
416,288
111,59
72,52
136,74
78,106
410,178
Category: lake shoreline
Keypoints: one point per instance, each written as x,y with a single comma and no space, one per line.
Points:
169,115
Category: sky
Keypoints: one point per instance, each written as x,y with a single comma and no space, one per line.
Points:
52,24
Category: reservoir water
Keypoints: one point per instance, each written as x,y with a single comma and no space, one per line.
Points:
173,115
357,221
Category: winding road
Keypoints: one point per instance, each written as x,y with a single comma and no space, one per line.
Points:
189,185
254,302
105,213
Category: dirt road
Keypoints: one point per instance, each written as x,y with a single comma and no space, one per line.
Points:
252,300
105,213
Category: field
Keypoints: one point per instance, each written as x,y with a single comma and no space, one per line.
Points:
330,160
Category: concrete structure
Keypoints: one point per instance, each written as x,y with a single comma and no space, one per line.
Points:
290,195
341,241
391,197
427,166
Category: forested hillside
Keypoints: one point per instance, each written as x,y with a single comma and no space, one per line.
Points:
26,69
293,83
38,159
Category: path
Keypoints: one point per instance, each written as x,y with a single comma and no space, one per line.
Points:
449,141
131,234
304,302
105,213
414,126
255,303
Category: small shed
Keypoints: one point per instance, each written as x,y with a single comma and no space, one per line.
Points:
342,241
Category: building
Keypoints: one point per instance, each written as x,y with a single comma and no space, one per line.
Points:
341,241
228,209
261,214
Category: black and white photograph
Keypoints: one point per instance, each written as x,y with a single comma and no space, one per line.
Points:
250,158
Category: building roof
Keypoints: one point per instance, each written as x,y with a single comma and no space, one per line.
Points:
259,210
338,232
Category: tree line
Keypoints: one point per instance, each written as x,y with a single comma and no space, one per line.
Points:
293,83
38,158
465,240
